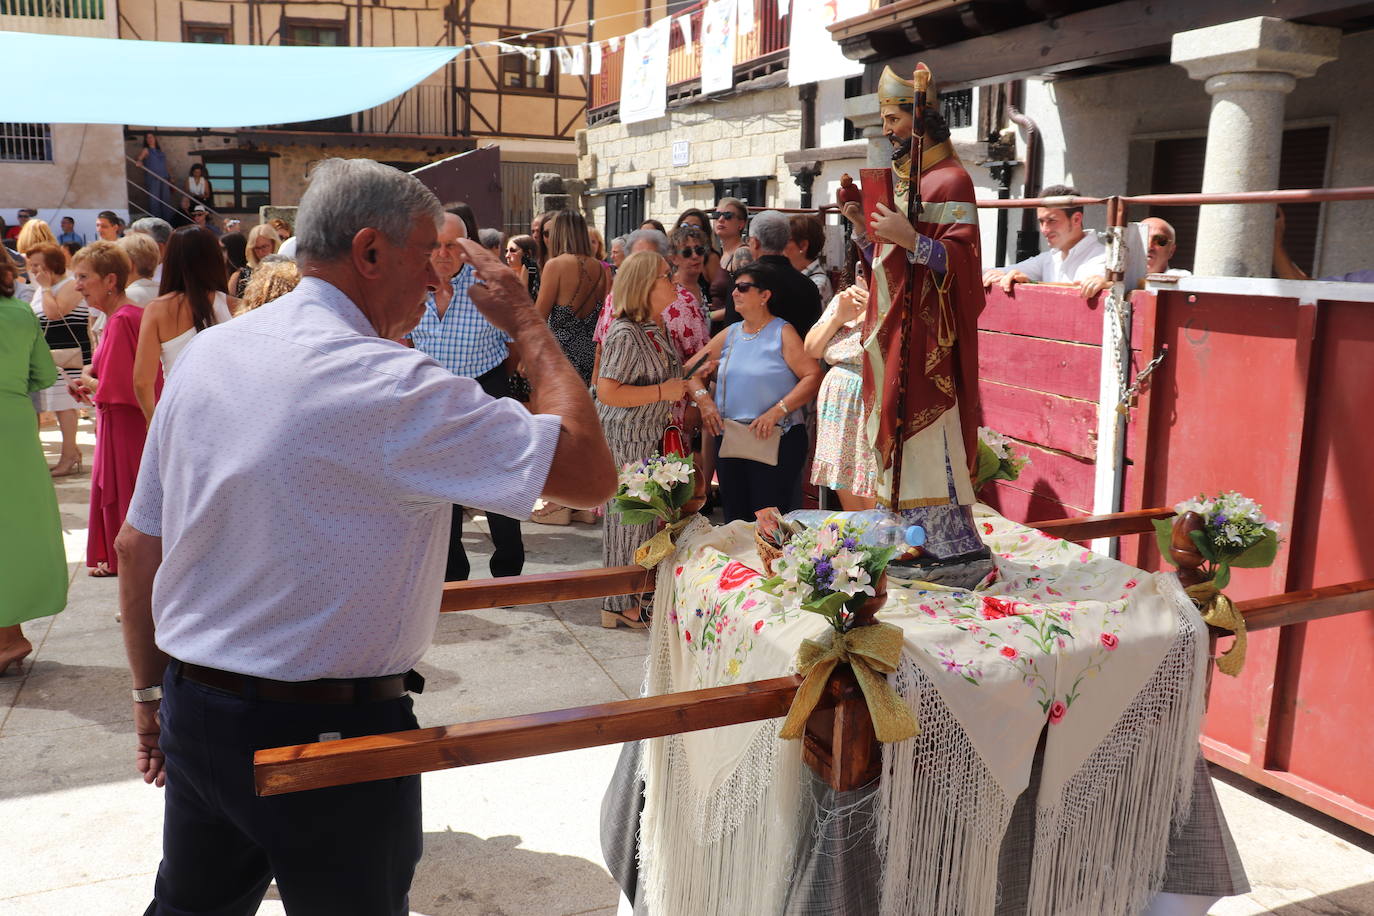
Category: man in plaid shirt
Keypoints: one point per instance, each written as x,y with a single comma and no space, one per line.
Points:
456,336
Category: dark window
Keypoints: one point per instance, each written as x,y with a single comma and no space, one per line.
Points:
25,142
624,212
314,34
957,107
753,191
239,183
853,88
520,74
1302,164
205,33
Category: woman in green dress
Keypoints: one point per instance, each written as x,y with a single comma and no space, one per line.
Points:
33,563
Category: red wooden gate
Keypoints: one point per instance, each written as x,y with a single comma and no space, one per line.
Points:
1262,394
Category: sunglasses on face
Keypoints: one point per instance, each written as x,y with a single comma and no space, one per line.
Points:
692,250
725,216
1161,240
744,286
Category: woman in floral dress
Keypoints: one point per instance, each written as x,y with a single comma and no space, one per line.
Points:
844,461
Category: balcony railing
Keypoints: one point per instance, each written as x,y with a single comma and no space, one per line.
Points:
54,9
762,47
426,110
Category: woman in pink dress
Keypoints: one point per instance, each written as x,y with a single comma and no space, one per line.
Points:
102,271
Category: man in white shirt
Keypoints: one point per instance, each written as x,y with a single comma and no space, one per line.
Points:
284,551
1075,256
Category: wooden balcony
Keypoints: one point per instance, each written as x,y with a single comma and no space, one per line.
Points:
761,51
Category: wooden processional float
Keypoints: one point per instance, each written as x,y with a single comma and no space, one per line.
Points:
839,744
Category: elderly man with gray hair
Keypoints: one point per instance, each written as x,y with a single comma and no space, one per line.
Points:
292,509
798,301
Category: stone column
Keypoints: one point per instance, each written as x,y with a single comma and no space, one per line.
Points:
1249,67
862,112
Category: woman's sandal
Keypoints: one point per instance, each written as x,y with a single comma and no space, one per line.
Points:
552,514
612,619
100,571
15,655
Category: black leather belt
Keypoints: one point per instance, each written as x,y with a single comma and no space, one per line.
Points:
328,690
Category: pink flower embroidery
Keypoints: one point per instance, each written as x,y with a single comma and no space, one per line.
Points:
734,575
1057,711
758,626
987,527
688,635
1132,584
748,604
1109,642
930,611
1010,651
678,571
1085,556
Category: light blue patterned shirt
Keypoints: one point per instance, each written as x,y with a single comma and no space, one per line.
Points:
462,341
302,473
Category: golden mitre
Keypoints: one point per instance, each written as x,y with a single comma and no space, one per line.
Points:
893,90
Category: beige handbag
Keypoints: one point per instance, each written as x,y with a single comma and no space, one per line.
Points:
739,441
68,358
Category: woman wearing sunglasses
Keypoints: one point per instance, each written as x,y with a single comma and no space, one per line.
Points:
728,222
689,254
699,219
763,381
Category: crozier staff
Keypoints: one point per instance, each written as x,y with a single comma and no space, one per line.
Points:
293,506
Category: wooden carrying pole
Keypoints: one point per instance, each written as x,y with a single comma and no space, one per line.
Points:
281,770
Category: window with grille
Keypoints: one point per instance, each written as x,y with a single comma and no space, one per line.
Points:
624,211
241,183
957,107
25,142
54,9
752,191
314,34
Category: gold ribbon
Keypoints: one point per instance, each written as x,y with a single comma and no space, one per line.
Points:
872,653
1218,611
655,549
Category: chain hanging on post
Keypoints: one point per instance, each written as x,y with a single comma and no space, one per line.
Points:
1129,395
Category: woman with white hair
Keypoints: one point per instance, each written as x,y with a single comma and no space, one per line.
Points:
262,241
144,256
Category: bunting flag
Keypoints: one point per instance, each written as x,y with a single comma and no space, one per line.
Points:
783,7
813,54
545,62
718,46
614,42
644,77
579,60
531,55
684,24
564,60
340,80
596,57
745,20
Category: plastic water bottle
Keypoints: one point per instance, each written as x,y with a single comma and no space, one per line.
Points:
881,527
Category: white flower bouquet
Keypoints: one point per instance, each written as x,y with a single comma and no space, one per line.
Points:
996,458
654,488
828,571
1229,530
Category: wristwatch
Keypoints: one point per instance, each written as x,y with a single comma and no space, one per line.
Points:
699,393
147,694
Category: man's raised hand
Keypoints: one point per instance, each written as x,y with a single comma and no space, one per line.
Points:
498,293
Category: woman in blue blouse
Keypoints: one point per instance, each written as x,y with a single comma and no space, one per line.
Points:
764,380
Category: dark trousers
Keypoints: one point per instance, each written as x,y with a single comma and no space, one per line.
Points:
345,850
748,486
508,555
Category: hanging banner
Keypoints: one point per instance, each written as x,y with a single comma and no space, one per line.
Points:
718,46
745,17
684,24
545,62
813,55
783,7
564,60
596,57
614,43
644,79
579,60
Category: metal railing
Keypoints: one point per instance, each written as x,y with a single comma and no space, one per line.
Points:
175,193
426,109
769,37
54,9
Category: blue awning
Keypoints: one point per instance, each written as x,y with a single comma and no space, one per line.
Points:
177,84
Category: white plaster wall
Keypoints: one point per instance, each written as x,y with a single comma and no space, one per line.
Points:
1090,127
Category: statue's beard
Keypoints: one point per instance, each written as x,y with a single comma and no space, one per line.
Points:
901,149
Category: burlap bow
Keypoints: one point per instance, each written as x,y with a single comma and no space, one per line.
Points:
872,653
651,552
1218,611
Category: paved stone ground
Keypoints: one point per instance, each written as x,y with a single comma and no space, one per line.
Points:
80,833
